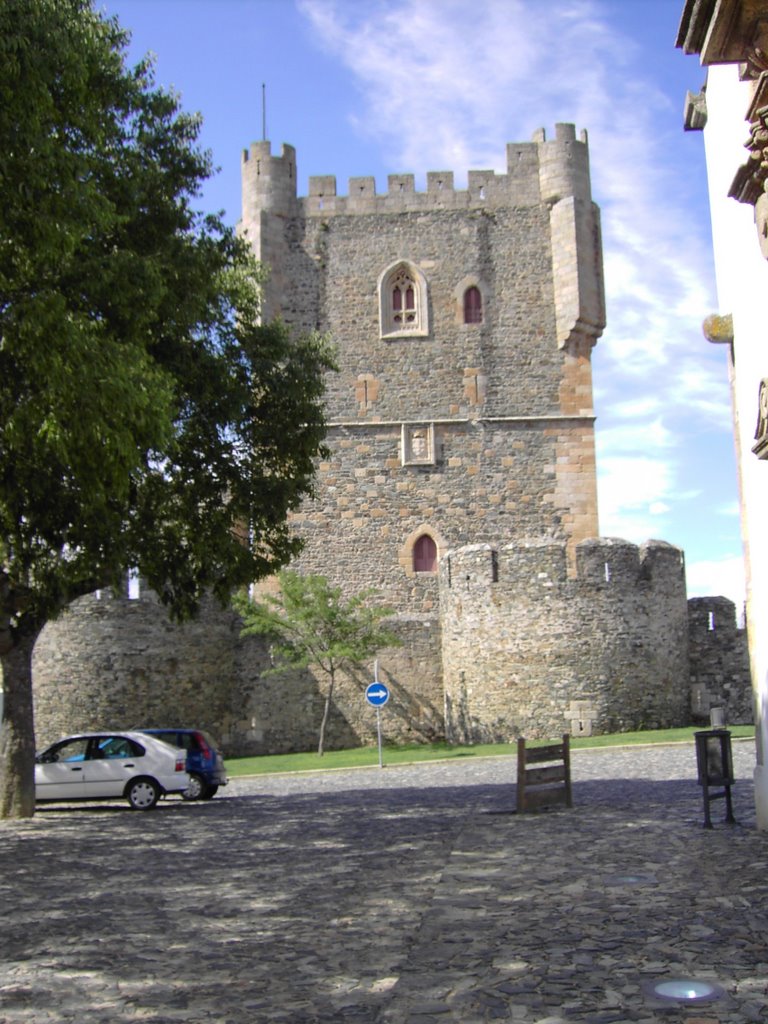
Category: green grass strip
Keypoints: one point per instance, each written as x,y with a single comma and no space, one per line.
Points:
366,757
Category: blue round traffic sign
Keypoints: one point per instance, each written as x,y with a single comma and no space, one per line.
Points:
377,694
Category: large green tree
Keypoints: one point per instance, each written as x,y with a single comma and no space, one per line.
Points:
147,419
309,623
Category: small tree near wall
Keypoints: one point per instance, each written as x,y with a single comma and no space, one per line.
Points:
310,624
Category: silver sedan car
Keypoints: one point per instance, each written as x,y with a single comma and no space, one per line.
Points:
106,765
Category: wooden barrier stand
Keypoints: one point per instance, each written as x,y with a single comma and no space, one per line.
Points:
546,784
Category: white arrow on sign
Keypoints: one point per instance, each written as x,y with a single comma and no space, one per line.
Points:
377,694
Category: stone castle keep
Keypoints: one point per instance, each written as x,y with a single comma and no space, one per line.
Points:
461,485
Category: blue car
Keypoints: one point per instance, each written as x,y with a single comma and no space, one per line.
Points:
205,765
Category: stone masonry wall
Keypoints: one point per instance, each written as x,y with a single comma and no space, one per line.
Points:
720,675
112,662
116,663
283,714
524,648
529,240
424,377
528,651
488,480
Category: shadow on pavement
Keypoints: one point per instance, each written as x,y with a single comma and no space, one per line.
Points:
366,904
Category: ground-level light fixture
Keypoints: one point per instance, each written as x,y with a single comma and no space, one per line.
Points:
685,990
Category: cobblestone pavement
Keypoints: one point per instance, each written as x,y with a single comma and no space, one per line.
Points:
397,896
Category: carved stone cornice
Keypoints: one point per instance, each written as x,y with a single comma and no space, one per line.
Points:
736,32
746,185
727,32
750,180
750,183
760,447
756,50
695,111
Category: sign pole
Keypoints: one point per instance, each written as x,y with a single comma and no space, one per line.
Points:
377,694
378,712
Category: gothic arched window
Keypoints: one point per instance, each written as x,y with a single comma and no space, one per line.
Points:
403,302
473,306
425,554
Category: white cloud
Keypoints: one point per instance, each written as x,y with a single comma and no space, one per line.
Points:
640,407
629,488
717,577
444,78
656,439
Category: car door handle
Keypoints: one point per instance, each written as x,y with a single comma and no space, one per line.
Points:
129,764
77,769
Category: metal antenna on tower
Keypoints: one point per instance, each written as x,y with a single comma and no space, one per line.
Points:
263,112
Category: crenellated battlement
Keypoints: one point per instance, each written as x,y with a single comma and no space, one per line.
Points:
606,559
539,171
537,563
485,189
268,182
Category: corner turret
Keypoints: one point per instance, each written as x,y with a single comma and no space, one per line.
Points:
563,164
268,182
269,197
577,258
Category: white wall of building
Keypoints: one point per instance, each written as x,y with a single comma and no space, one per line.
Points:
742,286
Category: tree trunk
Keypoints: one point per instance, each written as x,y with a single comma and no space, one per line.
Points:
17,732
326,715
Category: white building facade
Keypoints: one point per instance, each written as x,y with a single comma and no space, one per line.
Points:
731,38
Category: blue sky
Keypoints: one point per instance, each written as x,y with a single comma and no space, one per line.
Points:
375,87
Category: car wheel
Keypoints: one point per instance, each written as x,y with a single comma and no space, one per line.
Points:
196,788
143,794
209,792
